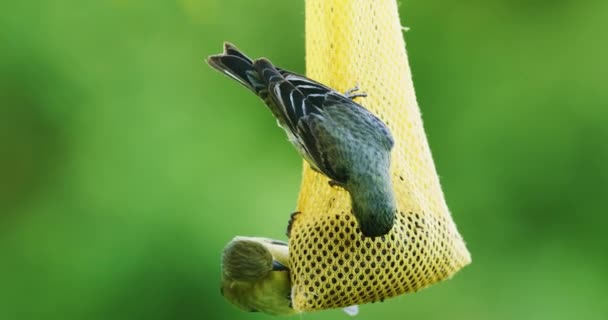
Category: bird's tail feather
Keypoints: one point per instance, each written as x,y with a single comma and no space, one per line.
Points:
238,66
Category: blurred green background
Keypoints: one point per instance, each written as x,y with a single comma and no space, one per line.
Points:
126,163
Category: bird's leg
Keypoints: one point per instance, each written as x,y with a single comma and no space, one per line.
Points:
351,95
349,92
292,218
334,183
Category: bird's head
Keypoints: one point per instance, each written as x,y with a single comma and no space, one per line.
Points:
246,259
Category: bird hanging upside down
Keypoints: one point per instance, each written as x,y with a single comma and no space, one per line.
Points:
338,137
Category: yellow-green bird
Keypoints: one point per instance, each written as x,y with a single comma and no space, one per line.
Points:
255,276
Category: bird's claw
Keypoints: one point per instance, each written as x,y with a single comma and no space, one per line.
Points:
351,95
334,184
292,218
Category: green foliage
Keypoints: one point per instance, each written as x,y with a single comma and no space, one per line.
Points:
126,163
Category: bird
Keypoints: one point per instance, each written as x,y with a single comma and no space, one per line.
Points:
338,137
256,278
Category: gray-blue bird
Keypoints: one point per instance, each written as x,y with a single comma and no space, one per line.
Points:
337,136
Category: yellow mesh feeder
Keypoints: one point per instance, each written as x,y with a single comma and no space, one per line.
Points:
332,265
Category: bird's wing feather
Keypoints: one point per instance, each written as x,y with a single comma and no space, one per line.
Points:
296,107
305,108
376,131
279,251
301,101
328,149
313,91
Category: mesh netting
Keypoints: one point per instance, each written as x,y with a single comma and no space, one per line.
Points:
350,42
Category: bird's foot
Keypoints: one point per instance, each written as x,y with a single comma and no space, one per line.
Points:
351,95
292,218
334,184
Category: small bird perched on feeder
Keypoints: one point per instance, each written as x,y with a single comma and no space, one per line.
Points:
255,276
338,137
